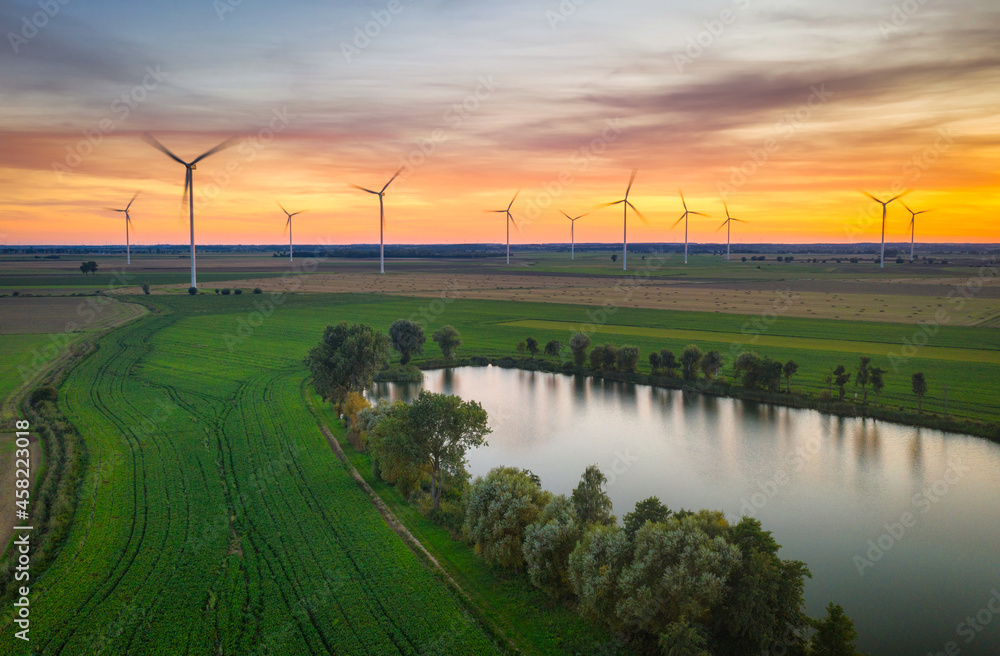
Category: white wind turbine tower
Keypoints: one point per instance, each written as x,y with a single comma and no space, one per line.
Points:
728,224
572,232
883,204
684,218
381,218
626,203
189,182
510,219
128,224
913,221
288,227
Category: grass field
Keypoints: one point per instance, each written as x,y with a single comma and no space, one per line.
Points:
214,517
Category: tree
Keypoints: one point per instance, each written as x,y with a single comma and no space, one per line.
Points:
597,357
145,288
532,345
444,428
678,573
610,357
862,378
448,339
346,359
654,362
689,361
669,362
548,542
88,267
877,381
710,364
579,343
919,385
498,510
835,634
553,348
763,599
614,257
841,378
789,369
594,569
647,510
521,348
593,506
394,453
628,359
407,338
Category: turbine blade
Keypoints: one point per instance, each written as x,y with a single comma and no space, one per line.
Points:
698,213
597,207
630,181
567,216
368,190
131,201
287,223
228,143
677,221
582,215
636,210
113,209
511,217
495,211
737,220
513,199
870,196
394,175
897,196
299,212
148,138
282,208
726,205
683,202
723,225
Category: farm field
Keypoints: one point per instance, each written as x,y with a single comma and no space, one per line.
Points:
228,522
215,519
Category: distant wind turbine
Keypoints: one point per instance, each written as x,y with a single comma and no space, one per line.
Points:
684,218
572,231
728,225
128,224
288,226
510,219
913,221
189,182
626,203
381,218
883,204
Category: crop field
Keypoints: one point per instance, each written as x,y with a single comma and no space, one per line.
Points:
215,519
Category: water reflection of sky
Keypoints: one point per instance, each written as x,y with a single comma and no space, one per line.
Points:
823,485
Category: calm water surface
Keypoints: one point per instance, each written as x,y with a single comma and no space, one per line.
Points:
835,492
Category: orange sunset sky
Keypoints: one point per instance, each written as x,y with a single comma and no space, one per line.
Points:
785,110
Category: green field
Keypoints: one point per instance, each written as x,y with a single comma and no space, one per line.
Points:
214,517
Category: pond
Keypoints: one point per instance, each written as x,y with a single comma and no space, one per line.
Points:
899,525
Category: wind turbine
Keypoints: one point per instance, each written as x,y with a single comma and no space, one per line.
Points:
288,226
626,203
572,230
728,224
510,219
189,182
883,204
381,218
913,221
128,223
684,218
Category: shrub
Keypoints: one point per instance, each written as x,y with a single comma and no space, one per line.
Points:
225,291
548,542
258,290
479,360
192,290
44,393
237,291
145,288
